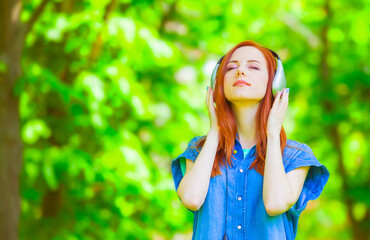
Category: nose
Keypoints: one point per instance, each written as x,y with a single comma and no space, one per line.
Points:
240,72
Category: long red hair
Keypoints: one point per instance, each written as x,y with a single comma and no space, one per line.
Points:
226,119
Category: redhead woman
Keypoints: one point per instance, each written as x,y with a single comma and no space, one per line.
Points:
245,179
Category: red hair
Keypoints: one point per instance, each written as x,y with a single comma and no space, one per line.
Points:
226,119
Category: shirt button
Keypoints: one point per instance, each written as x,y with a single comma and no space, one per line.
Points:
241,170
239,226
235,151
239,198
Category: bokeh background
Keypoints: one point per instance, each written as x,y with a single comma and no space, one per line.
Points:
98,97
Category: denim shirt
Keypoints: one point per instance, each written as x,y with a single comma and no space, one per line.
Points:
246,214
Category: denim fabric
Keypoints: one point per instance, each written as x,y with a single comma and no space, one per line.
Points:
246,214
245,152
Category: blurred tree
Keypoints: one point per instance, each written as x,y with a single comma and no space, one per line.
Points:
12,32
331,109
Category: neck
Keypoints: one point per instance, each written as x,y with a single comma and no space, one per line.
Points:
245,116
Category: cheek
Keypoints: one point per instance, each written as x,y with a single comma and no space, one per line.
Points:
227,79
263,79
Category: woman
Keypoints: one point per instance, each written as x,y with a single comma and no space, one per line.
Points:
245,179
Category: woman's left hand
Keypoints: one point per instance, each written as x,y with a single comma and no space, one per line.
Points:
277,113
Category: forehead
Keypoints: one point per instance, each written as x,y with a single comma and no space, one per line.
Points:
246,53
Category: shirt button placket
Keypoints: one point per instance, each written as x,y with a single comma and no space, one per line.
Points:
239,203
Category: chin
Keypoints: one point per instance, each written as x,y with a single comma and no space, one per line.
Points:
240,94
243,97
247,100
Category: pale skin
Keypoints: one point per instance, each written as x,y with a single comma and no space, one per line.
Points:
280,189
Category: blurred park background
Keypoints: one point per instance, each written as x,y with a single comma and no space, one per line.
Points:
98,96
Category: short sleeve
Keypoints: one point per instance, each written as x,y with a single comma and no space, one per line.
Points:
178,165
315,181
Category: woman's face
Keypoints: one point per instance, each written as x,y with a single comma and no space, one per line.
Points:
248,64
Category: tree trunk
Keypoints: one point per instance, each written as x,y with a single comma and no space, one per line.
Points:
12,33
11,46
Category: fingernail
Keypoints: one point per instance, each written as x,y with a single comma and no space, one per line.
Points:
287,90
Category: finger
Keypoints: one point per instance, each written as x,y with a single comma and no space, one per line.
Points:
205,100
279,92
286,100
210,97
212,101
277,99
286,95
207,97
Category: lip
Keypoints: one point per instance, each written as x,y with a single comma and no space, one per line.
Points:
241,83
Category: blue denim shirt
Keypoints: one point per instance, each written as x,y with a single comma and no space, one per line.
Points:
246,214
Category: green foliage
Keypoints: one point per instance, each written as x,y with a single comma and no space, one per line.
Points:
110,94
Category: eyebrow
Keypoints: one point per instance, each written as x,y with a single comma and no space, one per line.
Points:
247,61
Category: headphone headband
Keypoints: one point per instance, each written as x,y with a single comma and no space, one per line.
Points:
274,53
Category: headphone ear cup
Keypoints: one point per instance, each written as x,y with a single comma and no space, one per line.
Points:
214,73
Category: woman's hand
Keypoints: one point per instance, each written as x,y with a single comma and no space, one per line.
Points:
277,113
211,109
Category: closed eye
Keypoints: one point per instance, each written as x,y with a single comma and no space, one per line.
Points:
250,67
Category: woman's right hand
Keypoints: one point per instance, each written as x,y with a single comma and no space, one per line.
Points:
211,110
